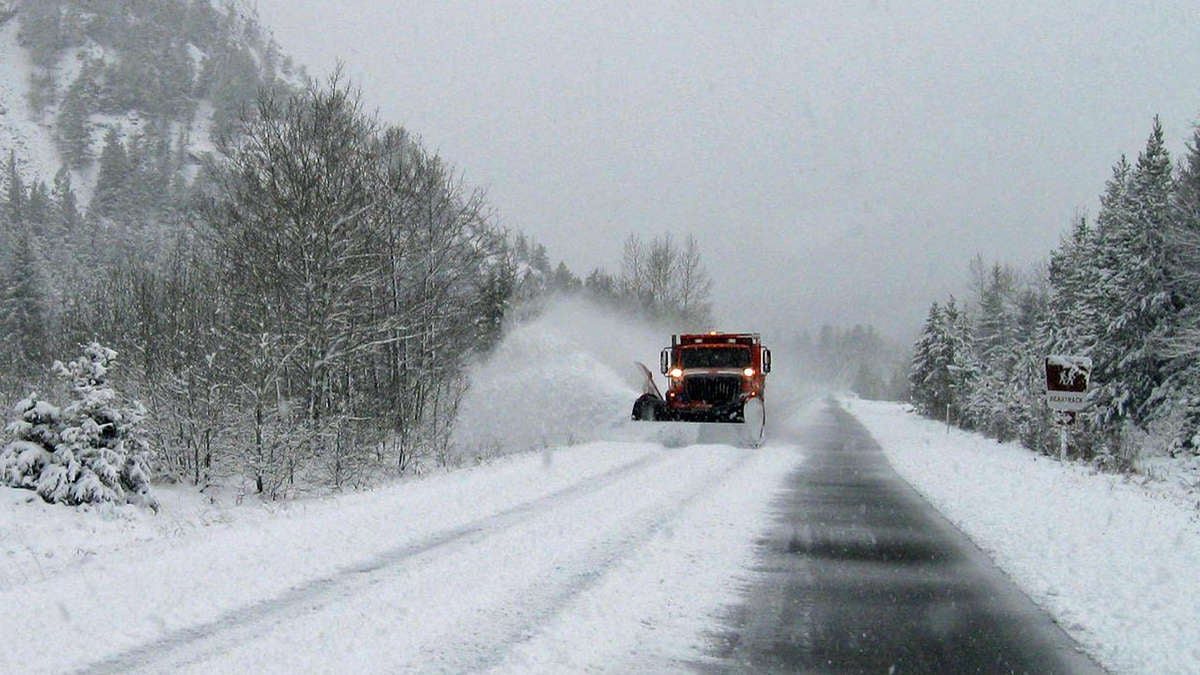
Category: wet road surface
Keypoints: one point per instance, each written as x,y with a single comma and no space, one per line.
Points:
860,574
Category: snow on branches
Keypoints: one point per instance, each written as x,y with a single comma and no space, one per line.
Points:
93,450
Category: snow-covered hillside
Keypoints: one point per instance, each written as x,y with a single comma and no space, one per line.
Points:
84,54
31,141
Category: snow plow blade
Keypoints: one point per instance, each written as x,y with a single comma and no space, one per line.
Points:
748,414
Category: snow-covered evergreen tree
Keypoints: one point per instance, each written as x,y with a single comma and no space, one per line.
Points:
1175,404
1072,323
91,451
921,389
961,362
944,363
994,327
1135,295
35,440
14,202
22,303
113,178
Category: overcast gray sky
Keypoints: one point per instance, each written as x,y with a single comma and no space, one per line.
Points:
838,162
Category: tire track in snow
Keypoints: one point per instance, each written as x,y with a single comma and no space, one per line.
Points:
491,594
590,569
313,595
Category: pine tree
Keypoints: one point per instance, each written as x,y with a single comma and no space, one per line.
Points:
74,134
33,450
1073,321
961,363
102,435
944,367
67,203
202,24
1175,402
39,209
112,182
23,304
993,331
563,280
42,31
921,372
15,196
1104,299
91,451
540,260
987,401
601,286
494,296
1142,301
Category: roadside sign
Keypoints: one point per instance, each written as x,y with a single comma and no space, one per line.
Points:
1067,379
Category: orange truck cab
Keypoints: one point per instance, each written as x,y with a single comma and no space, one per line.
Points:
711,377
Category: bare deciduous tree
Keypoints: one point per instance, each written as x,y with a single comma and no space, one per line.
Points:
667,280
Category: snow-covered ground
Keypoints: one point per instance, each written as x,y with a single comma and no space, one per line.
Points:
570,554
1115,559
583,557
592,547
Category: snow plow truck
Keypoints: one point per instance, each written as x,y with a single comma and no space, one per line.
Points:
711,377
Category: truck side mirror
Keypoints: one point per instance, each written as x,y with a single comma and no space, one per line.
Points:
766,360
664,361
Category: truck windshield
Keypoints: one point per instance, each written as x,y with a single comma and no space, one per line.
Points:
715,357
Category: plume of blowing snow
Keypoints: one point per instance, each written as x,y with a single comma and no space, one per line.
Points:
567,376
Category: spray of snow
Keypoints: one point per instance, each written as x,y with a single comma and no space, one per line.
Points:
567,376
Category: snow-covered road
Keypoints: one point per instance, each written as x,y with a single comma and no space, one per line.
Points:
1114,558
610,556
587,557
614,555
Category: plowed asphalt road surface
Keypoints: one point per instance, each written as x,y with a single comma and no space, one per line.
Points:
860,574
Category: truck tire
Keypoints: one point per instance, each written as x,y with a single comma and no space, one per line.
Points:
645,409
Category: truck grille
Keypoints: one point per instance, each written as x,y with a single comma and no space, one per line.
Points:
712,389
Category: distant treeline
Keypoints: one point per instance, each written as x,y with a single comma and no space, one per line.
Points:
856,359
1122,289
661,280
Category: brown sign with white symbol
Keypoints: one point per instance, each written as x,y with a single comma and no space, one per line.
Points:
1067,379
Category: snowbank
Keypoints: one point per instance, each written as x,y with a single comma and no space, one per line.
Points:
1115,559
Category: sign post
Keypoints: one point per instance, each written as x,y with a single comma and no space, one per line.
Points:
1067,381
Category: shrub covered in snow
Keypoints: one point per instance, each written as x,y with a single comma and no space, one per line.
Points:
93,450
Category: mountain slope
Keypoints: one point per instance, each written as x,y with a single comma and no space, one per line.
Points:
20,132
173,73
